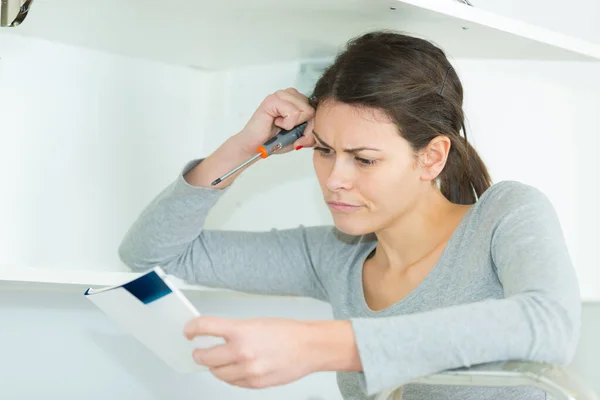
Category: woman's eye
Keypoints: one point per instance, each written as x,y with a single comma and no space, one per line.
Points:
323,151
365,161
362,161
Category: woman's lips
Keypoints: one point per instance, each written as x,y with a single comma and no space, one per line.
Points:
343,207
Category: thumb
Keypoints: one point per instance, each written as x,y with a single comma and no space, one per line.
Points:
308,139
208,326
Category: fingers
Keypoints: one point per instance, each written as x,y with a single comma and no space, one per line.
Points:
299,100
249,375
233,366
283,109
289,108
217,356
230,373
209,326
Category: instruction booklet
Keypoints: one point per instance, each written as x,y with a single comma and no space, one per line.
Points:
155,311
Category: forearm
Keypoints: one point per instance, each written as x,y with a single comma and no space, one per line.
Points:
168,225
332,346
394,350
166,229
228,156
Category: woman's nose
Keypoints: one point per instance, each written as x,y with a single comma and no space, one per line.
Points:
341,176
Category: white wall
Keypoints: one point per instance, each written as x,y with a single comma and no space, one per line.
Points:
88,139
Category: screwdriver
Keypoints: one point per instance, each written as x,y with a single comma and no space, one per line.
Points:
271,146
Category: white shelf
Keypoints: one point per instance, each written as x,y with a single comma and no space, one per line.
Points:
232,33
52,279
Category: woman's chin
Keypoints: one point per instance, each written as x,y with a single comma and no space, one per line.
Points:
350,227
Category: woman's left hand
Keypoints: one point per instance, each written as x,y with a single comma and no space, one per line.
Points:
264,352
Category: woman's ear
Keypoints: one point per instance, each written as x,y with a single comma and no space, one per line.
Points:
433,159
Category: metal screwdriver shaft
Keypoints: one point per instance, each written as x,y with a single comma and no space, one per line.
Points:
273,145
236,169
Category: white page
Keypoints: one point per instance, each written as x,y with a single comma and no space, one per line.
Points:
157,323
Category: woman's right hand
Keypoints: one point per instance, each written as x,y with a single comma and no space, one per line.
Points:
283,109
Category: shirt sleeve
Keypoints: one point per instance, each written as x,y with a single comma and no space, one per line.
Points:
537,320
170,233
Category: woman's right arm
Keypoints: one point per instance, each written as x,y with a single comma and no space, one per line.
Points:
170,230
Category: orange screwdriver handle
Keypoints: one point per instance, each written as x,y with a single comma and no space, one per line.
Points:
282,139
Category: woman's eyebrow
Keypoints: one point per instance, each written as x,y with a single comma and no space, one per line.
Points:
352,150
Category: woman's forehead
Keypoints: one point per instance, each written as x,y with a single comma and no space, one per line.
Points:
352,125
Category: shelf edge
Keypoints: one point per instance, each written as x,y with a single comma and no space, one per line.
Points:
512,26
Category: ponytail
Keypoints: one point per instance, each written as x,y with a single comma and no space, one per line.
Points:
465,177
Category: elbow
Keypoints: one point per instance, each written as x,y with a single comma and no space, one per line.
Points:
129,254
556,335
570,342
140,256
563,351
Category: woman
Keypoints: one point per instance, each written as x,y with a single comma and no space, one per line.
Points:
428,266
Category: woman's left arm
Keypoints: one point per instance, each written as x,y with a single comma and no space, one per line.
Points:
538,320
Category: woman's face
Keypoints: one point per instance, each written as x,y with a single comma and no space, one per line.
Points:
367,172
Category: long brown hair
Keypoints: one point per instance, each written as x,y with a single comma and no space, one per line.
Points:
412,81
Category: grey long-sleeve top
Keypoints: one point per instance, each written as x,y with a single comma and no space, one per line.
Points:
503,289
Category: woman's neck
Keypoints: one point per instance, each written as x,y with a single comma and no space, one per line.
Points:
419,234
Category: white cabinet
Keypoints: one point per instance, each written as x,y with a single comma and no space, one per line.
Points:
208,34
